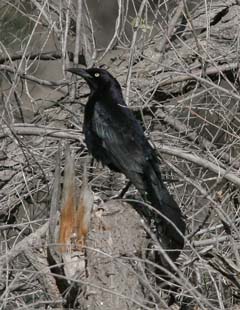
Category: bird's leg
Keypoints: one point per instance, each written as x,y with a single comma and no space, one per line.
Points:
91,168
123,191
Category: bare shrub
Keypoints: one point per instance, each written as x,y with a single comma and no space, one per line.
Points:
178,64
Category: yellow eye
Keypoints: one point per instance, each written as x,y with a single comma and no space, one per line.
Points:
96,74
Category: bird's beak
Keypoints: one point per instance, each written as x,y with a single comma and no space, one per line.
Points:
82,72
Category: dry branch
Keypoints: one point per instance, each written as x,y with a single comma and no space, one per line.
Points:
171,28
38,130
31,241
222,173
175,77
192,135
118,271
32,78
39,261
46,56
24,129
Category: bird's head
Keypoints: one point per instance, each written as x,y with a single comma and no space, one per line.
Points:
98,79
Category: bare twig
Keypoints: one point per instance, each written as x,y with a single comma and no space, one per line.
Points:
45,56
192,135
171,28
37,130
133,47
30,241
33,78
78,31
223,173
178,77
117,30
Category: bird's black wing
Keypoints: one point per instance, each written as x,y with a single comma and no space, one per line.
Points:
123,139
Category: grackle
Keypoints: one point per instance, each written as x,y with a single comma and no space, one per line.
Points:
115,138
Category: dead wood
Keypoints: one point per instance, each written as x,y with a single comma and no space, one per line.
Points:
178,65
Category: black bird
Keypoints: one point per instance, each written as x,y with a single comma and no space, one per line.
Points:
115,138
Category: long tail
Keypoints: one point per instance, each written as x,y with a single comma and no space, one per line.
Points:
170,224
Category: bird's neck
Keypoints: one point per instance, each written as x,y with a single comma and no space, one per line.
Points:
108,95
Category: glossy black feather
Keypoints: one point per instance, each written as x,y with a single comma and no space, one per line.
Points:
114,137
